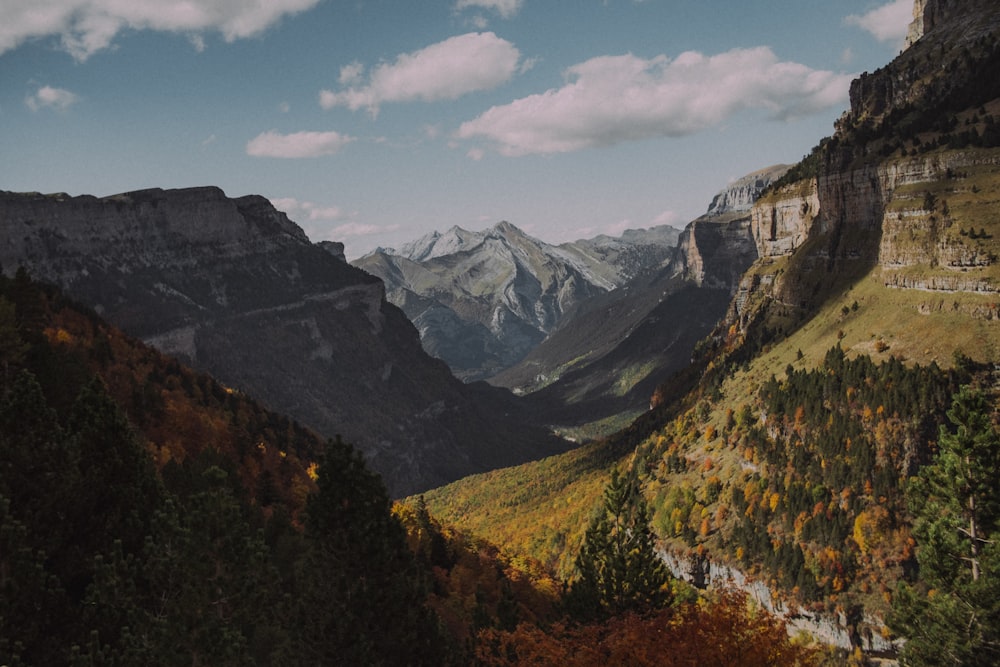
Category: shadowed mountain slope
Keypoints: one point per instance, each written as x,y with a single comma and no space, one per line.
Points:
235,288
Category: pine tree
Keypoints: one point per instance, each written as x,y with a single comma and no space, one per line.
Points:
359,596
953,616
618,569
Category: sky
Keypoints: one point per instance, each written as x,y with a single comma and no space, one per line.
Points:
375,122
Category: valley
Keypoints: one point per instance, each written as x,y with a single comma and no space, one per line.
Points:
770,437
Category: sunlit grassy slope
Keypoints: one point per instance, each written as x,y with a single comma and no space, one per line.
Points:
542,508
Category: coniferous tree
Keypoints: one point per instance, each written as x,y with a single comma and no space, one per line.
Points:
953,616
359,596
617,565
200,592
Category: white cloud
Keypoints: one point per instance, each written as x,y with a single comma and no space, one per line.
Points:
887,23
297,144
52,98
357,229
306,210
618,228
443,71
88,26
667,218
505,8
613,99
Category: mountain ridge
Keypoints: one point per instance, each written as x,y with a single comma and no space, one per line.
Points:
235,288
482,300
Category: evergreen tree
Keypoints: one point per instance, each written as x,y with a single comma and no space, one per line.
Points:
12,347
359,596
618,567
200,592
953,616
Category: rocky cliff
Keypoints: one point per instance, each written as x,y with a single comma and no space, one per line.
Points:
902,192
482,300
235,288
950,61
740,195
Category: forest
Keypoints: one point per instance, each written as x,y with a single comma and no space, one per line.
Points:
149,515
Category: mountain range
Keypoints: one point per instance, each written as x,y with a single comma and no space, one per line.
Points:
236,289
775,378
600,369
483,300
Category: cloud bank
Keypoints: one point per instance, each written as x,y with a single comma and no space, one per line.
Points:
88,26
887,23
613,99
52,98
505,8
297,144
443,71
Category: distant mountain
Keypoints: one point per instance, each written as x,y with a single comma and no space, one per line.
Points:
482,300
236,289
608,357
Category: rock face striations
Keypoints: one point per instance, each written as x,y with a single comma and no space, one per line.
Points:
482,300
905,190
235,288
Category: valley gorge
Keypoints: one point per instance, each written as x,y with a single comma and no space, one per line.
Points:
786,384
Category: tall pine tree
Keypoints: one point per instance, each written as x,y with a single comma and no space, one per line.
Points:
618,568
359,595
952,617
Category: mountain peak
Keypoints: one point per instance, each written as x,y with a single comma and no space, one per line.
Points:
739,196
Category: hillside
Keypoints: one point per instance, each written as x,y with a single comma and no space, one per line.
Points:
234,288
872,298
149,515
482,300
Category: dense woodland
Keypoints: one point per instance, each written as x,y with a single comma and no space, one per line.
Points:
149,515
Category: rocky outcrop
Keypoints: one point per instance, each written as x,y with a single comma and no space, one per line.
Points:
740,195
783,223
879,215
952,57
714,253
482,300
234,288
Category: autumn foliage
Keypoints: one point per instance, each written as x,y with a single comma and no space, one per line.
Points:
724,631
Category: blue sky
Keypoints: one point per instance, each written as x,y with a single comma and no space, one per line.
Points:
373,122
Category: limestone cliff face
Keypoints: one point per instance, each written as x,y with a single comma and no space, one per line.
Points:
740,195
715,252
783,223
875,216
715,249
235,288
880,197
